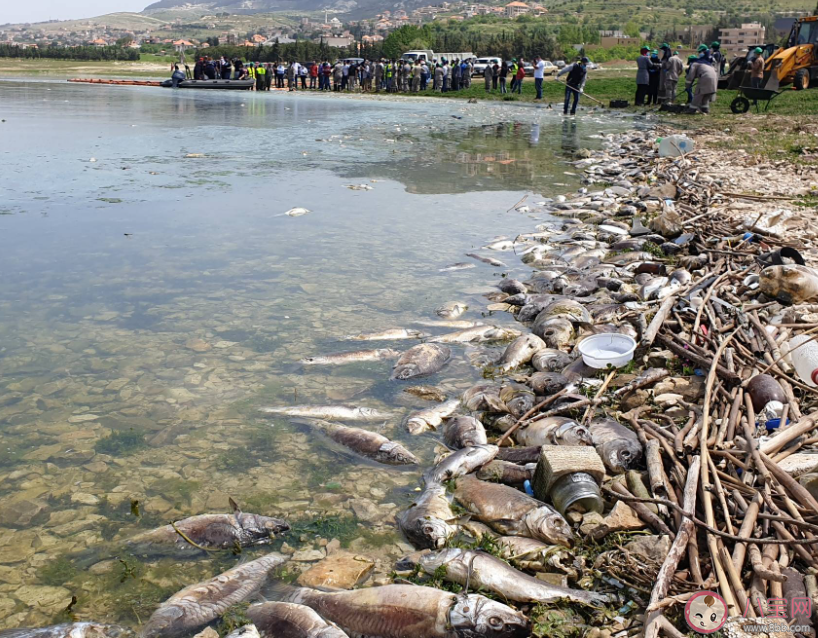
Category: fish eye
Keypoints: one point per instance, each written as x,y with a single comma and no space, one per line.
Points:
626,454
495,621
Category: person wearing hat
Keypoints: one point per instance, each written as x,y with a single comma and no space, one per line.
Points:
672,68
757,69
706,79
654,77
574,83
643,66
718,57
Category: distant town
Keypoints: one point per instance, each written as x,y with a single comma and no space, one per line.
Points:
223,29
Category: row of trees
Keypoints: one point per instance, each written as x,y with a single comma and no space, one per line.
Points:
69,53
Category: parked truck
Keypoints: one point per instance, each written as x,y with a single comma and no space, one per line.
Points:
428,56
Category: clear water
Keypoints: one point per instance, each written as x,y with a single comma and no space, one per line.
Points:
157,296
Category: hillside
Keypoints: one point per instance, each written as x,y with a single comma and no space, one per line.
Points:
352,9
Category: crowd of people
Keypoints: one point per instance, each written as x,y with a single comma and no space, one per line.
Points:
657,79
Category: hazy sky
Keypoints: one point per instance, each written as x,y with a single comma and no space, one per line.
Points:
39,10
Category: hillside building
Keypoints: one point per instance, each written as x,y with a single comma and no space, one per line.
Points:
738,40
516,9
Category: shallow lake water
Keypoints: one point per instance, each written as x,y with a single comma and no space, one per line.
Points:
154,296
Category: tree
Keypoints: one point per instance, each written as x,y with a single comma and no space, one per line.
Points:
632,29
125,41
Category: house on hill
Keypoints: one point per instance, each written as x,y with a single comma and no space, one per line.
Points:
516,9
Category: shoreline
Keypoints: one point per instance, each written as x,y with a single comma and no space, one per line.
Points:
676,375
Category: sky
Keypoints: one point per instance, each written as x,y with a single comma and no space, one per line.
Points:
39,10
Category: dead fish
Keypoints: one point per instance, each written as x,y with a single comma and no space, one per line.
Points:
429,522
487,260
512,287
501,245
387,335
790,283
519,352
429,418
484,571
464,431
421,361
331,412
428,392
459,463
547,383
458,266
511,512
568,309
484,396
344,358
69,630
210,531
296,212
398,611
248,631
618,446
554,430
507,473
478,333
290,620
557,333
368,444
550,360
200,604
458,325
359,187
451,310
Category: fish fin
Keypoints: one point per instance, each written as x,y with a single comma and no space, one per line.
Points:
234,506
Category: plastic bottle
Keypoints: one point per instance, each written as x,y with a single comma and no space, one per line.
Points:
805,359
675,145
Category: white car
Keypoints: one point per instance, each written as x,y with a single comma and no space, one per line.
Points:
481,63
550,68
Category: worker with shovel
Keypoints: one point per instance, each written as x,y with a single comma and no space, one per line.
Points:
575,83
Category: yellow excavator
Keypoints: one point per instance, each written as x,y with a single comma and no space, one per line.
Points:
797,63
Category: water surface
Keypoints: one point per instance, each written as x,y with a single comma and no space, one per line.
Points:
153,297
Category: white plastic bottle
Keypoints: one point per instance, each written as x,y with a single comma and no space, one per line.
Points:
675,145
805,359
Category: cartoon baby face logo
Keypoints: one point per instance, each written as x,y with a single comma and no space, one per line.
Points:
706,612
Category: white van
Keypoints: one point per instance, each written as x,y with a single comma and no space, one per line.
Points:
481,63
424,55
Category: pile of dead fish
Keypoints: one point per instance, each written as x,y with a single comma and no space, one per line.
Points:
612,493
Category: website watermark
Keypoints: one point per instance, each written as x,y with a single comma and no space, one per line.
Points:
706,613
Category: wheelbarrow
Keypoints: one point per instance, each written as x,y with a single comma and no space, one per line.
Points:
741,103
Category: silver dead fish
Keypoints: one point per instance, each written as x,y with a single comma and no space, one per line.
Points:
211,531
391,334
399,611
487,260
458,266
421,360
296,212
69,630
330,412
460,463
430,418
511,512
290,620
485,571
368,444
457,325
464,431
553,430
248,631
429,522
477,333
200,604
344,358
520,352
618,446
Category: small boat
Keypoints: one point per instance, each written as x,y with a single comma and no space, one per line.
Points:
225,85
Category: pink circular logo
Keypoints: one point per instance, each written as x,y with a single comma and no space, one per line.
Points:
706,612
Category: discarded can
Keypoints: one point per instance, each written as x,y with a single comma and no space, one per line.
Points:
570,476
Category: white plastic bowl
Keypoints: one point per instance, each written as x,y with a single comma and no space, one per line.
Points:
609,348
